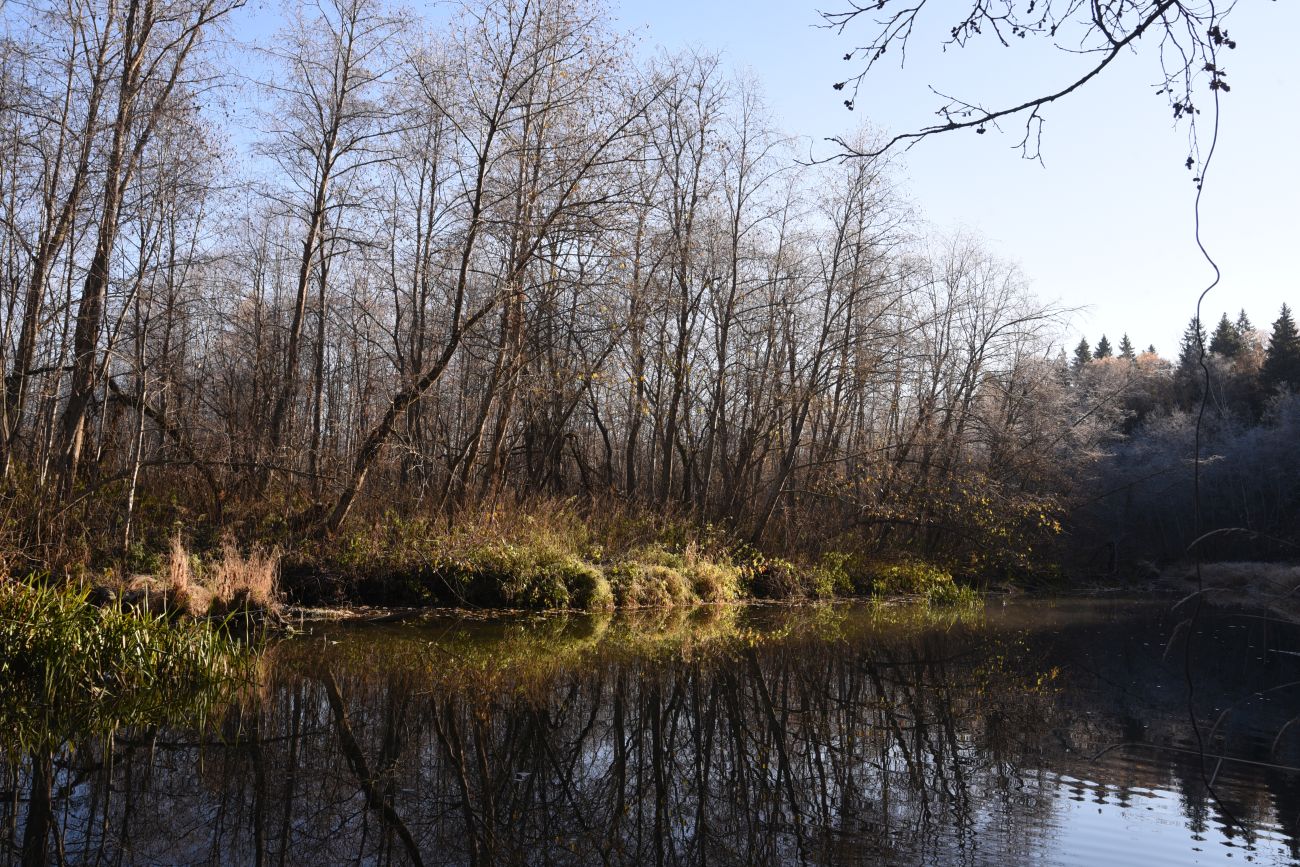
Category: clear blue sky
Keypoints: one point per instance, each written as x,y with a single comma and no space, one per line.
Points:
1107,223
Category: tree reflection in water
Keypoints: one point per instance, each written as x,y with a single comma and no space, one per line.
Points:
832,735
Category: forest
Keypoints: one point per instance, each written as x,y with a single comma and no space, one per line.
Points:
394,400
372,280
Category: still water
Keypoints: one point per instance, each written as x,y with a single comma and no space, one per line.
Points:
1034,732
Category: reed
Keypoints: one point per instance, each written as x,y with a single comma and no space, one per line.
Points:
69,667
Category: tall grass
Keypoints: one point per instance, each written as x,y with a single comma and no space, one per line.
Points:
69,668
243,579
214,586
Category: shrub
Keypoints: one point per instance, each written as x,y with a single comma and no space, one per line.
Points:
139,558
907,577
775,578
542,590
829,576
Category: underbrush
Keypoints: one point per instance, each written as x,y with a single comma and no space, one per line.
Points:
916,578
543,555
551,556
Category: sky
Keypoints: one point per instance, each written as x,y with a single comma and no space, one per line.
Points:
1105,225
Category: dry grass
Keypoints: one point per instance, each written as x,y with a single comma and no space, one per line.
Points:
184,592
228,582
238,579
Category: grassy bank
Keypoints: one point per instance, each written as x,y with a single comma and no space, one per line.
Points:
554,557
549,555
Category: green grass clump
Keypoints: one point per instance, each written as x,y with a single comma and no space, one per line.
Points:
68,667
539,577
918,578
588,587
713,581
656,577
638,584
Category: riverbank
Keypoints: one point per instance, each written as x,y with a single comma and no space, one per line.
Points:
539,555
1272,589
557,557
511,577
532,566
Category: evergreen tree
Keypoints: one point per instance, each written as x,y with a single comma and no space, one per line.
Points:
1103,349
1282,360
1189,382
1226,340
1151,348
1126,349
1061,369
1191,347
1243,325
1082,353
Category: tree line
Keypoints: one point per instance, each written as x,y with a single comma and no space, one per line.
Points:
1233,391
378,264
1246,367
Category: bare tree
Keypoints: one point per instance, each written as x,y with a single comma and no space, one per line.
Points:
150,46
1186,38
328,122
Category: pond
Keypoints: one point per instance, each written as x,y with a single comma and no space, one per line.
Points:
1032,732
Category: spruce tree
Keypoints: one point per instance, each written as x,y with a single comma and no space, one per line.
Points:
1282,360
1103,349
1188,379
1082,353
1191,347
1061,369
1126,349
1226,340
1243,325
1151,348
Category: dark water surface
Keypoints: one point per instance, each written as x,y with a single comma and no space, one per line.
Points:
1035,732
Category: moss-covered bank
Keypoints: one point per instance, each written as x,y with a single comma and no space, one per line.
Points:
561,560
551,555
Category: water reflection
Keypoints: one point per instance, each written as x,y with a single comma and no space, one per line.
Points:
761,736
